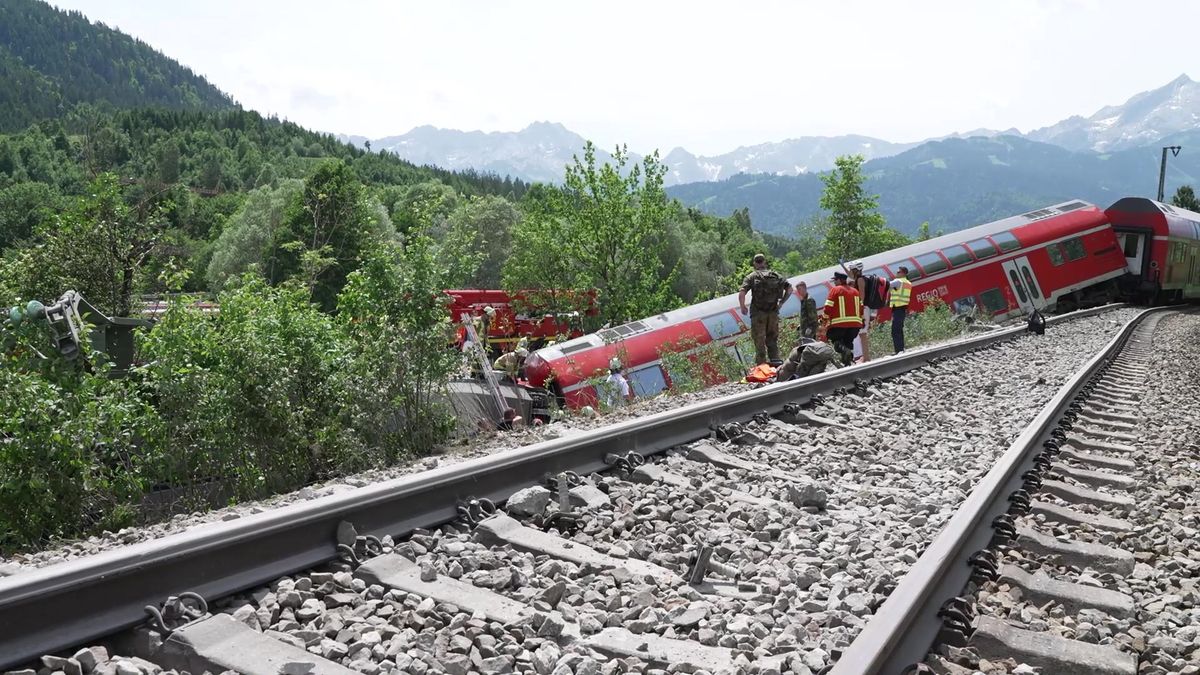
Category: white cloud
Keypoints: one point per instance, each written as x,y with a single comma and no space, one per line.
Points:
705,75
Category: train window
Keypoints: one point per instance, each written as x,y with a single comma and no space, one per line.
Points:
721,325
819,293
647,381
932,263
790,306
1006,241
913,272
1131,245
1016,283
957,255
1033,289
982,248
1056,254
1074,249
993,301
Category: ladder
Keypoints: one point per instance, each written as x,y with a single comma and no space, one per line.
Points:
485,367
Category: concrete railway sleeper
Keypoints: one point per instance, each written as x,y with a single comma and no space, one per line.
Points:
1092,565
765,548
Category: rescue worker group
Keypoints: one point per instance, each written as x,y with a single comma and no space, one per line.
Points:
848,310
832,335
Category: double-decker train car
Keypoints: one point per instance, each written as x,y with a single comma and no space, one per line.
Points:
1161,244
1036,260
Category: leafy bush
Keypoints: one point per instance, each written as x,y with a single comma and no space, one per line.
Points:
693,366
395,318
249,396
69,461
934,323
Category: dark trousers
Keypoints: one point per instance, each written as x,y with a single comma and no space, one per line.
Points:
842,340
898,314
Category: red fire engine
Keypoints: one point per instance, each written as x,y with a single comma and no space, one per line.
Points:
540,316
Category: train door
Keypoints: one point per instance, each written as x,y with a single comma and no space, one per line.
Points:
1134,246
1024,284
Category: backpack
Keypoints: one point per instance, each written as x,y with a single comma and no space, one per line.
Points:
768,290
876,294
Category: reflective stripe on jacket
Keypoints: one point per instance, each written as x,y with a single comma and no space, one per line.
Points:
844,308
900,296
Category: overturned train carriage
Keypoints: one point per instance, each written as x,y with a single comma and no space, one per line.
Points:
1062,254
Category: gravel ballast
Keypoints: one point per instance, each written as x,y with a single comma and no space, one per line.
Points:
892,470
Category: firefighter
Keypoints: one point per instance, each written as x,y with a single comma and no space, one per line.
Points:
809,357
898,300
843,308
768,291
482,324
510,363
808,312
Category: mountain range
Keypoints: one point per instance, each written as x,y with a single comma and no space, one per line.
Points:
956,183
541,150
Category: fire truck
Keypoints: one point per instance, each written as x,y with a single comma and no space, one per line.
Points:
540,316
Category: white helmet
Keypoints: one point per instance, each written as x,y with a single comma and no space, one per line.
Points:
489,310
856,265
615,363
522,352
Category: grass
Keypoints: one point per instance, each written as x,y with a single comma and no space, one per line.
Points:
936,323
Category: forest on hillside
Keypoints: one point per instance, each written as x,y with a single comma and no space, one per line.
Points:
51,60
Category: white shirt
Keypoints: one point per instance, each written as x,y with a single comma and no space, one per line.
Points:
616,389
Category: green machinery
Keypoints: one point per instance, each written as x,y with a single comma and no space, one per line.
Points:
72,315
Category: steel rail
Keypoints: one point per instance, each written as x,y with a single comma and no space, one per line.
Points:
903,630
70,603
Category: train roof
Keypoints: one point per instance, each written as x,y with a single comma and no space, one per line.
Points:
1169,220
725,303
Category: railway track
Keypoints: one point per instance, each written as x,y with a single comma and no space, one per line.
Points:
703,559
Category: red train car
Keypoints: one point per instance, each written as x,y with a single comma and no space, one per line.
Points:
1008,267
525,315
1161,245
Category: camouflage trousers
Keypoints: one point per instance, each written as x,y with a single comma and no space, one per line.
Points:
764,330
805,360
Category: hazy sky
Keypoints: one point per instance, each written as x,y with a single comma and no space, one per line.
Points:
709,76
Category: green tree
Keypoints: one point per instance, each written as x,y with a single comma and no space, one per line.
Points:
394,312
479,230
246,239
98,247
855,226
609,225
22,207
326,232
1185,198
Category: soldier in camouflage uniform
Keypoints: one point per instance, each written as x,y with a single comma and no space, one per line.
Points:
808,312
768,292
808,358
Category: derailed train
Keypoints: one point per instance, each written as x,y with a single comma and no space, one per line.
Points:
1056,257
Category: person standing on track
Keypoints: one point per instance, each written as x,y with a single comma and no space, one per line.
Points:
898,300
808,312
859,282
843,308
768,291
